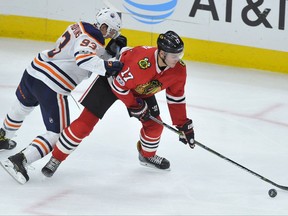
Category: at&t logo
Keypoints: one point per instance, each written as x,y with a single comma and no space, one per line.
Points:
150,12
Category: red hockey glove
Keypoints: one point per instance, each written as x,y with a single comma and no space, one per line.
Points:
113,67
188,133
141,112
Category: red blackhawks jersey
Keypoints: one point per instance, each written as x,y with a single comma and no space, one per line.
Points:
141,77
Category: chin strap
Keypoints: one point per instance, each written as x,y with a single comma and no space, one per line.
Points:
163,59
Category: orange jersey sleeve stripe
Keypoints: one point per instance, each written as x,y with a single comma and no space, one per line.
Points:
84,56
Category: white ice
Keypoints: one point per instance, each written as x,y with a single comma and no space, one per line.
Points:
240,113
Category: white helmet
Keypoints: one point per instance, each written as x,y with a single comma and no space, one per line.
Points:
111,19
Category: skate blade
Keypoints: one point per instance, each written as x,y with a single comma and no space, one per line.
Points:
9,167
1,150
153,166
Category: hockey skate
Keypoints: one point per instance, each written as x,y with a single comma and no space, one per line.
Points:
50,168
153,162
5,143
16,166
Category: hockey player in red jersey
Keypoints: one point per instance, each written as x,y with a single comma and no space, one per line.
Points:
137,83
146,71
50,78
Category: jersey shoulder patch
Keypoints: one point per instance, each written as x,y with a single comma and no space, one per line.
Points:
144,63
93,32
182,63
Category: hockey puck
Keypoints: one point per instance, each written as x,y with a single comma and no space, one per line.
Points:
272,193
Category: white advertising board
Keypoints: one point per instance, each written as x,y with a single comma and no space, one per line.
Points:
255,23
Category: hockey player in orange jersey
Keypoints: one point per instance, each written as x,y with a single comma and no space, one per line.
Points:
49,79
146,71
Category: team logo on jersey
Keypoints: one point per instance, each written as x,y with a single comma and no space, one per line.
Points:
144,63
151,87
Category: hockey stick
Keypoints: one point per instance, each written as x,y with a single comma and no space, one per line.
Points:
165,125
117,56
221,156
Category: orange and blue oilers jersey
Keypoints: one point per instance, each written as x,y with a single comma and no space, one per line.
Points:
141,78
78,53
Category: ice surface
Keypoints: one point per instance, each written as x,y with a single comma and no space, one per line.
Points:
241,113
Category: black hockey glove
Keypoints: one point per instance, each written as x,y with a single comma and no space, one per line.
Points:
119,42
113,68
141,112
188,133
